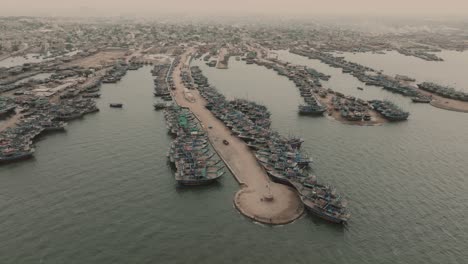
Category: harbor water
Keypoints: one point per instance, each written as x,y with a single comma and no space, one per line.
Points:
103,193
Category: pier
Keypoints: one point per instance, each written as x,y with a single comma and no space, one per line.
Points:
259,198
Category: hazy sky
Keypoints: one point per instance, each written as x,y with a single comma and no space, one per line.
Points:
231,7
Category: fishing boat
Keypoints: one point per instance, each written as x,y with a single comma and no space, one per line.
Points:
159,106
311,110
326,210
116,105
389,110
51,126
201,176
12,155
421,99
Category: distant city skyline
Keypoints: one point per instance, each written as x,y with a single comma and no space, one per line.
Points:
231,7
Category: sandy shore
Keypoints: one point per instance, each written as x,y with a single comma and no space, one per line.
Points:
255,184
445,103
449,104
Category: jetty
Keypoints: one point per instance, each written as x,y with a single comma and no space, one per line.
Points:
259,198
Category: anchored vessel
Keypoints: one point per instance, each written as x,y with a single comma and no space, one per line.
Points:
389,110
190,154
321,200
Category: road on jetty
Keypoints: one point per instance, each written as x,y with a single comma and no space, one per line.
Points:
259,198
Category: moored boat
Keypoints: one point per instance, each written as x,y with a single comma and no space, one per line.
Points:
11,155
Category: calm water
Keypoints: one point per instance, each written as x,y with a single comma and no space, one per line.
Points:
103,193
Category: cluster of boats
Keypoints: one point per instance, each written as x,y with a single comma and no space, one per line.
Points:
280,156
208,58
257,113
389,110
91,88
212,63
419,54
7,106
20,84
444,91
351,108
422,99
67,110
160,73
186,79
116,73
40,115
308,81
16,143
364,74
200,80
190,154
162,84
134,66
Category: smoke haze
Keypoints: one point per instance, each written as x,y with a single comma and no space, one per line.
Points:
231,7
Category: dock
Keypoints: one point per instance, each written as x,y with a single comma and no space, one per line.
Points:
259,198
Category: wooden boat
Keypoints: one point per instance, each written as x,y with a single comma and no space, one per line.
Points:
116,105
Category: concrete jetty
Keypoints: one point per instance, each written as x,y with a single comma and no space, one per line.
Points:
259,198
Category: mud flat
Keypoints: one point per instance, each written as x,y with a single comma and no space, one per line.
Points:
259,198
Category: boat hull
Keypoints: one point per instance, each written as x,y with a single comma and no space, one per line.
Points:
196,182
25,156
324,216
280,180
